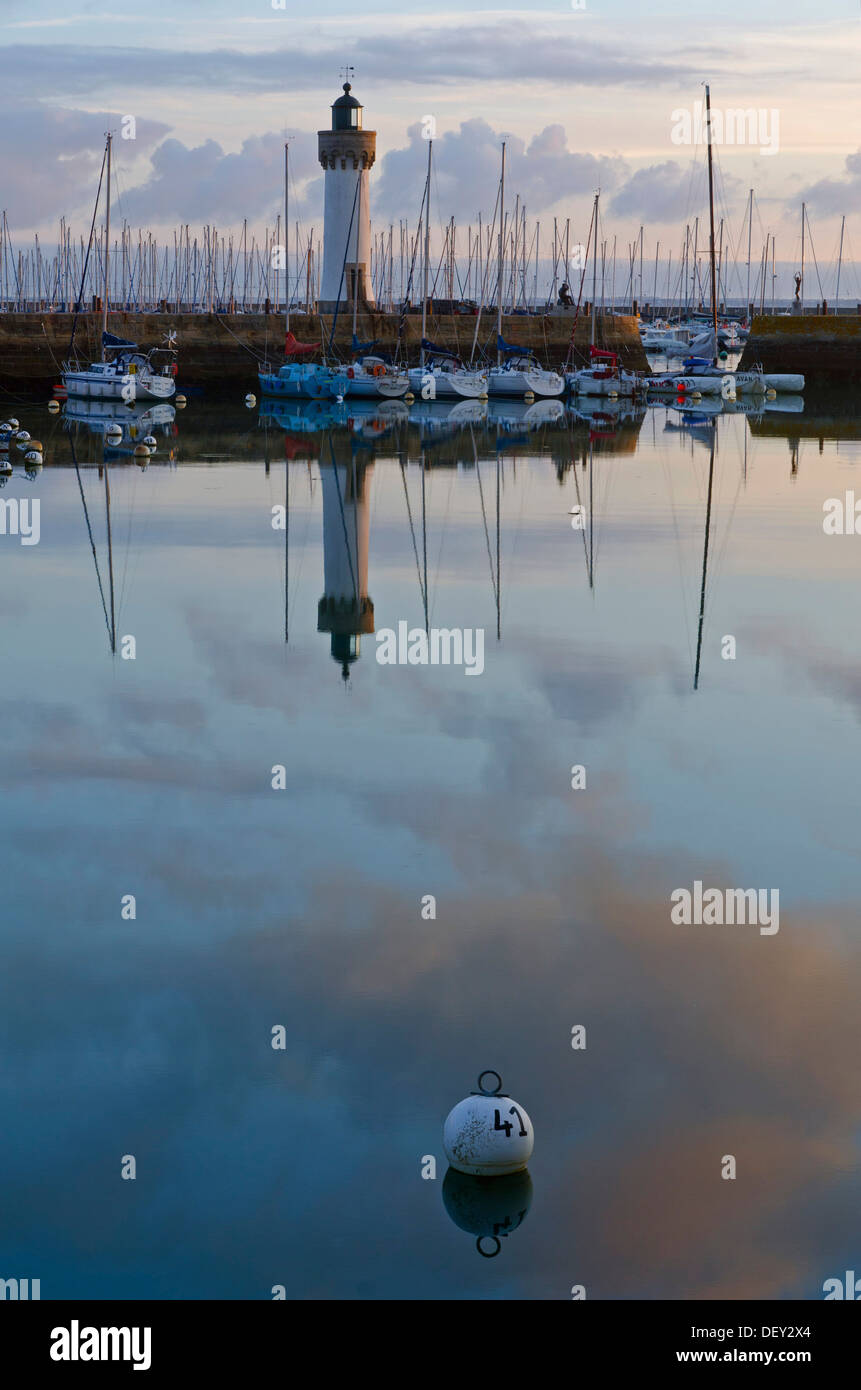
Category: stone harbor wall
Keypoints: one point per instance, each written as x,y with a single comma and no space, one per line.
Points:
825,348
215,349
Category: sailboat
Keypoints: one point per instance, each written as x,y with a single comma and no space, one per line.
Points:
604,376
301,380
703,370
441,375
371,375
517,372
124,373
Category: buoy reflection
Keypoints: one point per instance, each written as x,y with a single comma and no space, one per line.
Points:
489,1208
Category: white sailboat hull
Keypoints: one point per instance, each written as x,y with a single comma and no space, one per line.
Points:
751,383
685,385
588,383
447,385
502,381
100,386
389,387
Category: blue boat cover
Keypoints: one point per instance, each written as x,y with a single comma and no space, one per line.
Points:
438,351
112,341
511,349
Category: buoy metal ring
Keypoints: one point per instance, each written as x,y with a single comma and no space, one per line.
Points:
488,1254
497,1090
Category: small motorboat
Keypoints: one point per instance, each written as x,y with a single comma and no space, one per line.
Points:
664,341
604,377
303,380
124,374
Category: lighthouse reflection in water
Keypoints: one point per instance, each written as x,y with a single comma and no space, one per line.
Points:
345,610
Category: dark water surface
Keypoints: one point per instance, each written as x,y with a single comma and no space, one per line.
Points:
303,907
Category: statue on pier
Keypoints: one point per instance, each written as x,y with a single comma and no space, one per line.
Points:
565,297
797,286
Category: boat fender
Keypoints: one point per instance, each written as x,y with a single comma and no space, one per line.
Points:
350,373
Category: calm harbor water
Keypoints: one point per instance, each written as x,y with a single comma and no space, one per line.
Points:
302,907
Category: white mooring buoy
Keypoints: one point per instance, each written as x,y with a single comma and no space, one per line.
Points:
53,407
487,1134
250,401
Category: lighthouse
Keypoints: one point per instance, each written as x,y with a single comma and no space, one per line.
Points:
347,153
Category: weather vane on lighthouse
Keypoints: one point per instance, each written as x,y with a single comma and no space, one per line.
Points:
348,73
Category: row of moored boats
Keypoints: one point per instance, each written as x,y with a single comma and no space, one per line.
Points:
444,377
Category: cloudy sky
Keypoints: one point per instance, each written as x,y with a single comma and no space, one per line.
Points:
585,96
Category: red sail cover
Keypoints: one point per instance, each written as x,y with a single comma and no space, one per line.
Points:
293,349
597,354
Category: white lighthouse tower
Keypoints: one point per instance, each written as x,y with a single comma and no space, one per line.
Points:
347,153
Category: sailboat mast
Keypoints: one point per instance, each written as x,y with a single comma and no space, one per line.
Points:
287,235
110,558
595,267
501,254
425,541
749,235
426,254
803,220
712,224
839,264
107,249
498,549
356,270
287,549
705,564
